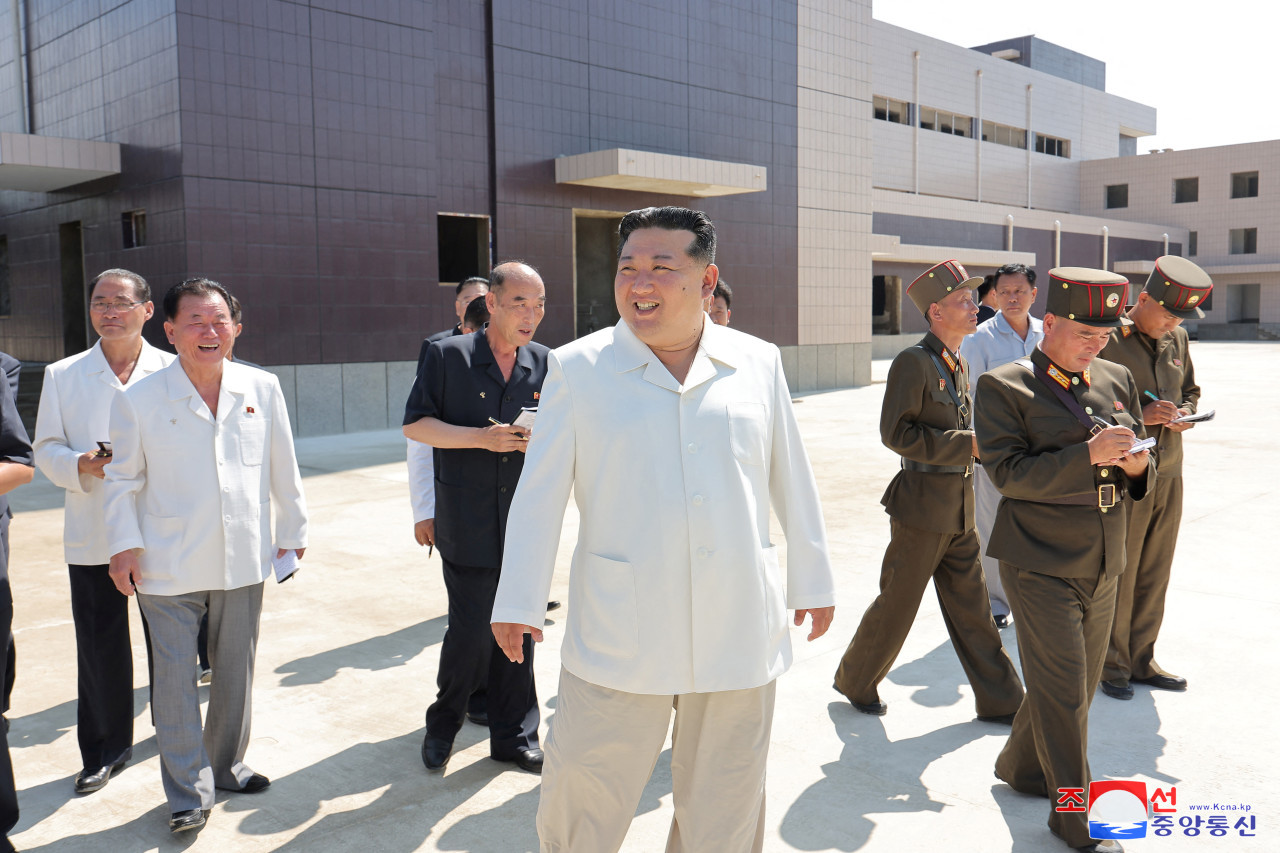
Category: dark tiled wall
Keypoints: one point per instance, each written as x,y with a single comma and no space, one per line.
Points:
715,80
104,71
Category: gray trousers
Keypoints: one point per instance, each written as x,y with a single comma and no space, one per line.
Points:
192,765
986,500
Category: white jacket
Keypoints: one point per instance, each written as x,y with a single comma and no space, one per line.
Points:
675,585
196,493
75,408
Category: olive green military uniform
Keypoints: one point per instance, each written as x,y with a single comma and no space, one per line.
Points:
1061,554
1164,368
930,505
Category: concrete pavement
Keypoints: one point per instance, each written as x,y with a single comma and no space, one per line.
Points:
348,652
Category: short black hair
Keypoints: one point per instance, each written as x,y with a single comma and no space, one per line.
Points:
1015,269
988,282
477,313
703,247
723,291
192,287
467,282
236,313
141,289
499,276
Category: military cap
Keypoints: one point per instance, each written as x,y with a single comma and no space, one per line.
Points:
937,283
1092,297
1180,286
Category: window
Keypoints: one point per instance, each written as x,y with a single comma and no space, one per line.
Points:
1244,241
888,109
1186,190
134,225
1244,185
462,244
5,307
945,122
1117,196
1053,145
1191,243
1003,134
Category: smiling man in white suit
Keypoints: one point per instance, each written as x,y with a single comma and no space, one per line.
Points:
202,449
675,436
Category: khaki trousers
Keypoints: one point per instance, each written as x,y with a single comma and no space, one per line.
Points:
602,746
1153,535
915,556
1062,625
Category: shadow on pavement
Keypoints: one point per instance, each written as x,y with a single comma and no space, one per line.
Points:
372,654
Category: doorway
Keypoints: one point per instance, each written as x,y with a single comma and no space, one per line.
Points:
75,303
595,256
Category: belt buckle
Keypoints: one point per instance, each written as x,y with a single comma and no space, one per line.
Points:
1106,496
1095,429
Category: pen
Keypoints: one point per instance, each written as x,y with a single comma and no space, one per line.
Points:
497,422
1100,422
431,546
1152,396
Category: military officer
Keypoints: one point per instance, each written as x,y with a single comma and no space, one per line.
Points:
1054,434
1156,350
926,419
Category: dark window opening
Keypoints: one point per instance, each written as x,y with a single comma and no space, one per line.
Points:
462,244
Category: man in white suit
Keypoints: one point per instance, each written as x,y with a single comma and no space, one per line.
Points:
675,436
75,405
203,449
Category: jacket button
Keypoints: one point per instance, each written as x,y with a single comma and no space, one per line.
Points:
507,398
697,500
693,448
1106,473
504,459
702,552
503,490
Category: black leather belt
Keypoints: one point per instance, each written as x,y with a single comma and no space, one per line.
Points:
1106,497
926,468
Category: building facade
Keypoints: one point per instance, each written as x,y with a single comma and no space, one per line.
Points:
339,165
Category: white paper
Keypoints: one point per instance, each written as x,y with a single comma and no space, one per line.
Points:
1144,444
525,418
285,566
1199,417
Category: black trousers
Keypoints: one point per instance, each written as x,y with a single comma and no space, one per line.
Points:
470,658
104,661
8,790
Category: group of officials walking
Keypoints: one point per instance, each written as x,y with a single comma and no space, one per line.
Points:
676,437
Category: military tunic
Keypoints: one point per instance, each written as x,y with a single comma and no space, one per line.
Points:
1164,368
932,536
1060,557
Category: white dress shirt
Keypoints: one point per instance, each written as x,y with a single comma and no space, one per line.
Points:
996,343
675,585
74,415
422,480
196,492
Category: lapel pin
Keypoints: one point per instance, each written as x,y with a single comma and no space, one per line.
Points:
173,421
248,410
481,395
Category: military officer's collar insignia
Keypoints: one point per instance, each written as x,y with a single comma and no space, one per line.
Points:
1058,376
951,362
1126,331
1085,376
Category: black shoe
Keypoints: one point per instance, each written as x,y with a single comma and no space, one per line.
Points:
1164,682
435,753
1117,689
189,819
1108,846
255,783
525,759
553,605
1002,719
480,718
875,709
1002,622
93,779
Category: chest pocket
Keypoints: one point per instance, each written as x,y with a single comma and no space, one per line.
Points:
747,432
253,438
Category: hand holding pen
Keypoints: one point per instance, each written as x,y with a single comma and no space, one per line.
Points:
1159,412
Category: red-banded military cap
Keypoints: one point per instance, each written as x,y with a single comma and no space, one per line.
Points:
1092,297
1180,286
937,283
